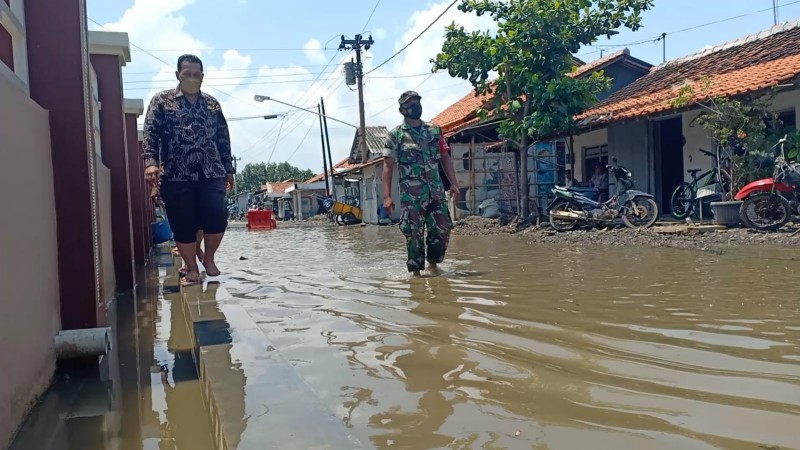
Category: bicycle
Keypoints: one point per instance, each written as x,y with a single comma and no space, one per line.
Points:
685,196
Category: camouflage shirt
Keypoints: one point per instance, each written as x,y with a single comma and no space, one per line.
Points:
190,140
417,153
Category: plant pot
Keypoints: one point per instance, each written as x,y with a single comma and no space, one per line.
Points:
726,213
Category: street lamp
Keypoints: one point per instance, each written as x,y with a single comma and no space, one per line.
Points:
265,98
267,117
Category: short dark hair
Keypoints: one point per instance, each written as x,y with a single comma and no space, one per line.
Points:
190,59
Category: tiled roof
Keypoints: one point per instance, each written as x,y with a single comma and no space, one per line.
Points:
342,166
376,139
600,63
278,187
463,112
744,66
460,112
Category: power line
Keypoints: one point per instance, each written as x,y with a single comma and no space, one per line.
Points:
366,24
168,64
152,82
305,136
295,66
160,50
660,37
415,38
276,142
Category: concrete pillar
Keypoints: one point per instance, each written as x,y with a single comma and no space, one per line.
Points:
133,109
109,52
59,81
149,209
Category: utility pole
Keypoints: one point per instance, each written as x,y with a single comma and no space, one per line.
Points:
324,160
774,12
357,44
327,137
663,47
236,185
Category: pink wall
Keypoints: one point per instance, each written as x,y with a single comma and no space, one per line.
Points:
29,310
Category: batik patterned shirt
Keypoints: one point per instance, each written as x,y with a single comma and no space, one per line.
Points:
190,140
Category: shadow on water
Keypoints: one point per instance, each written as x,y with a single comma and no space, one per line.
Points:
520,346
146,394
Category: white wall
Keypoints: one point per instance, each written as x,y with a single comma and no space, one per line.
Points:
591,139
104,224
696,137
372,197
29,305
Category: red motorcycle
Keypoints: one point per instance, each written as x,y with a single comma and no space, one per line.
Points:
771,202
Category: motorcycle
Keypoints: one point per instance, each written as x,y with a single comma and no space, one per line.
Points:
769,203
573,206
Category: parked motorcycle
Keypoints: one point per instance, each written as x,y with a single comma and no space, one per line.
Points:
770,203
573,206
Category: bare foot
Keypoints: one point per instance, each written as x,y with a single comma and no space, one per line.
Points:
211,268
416,273
434,268
192,277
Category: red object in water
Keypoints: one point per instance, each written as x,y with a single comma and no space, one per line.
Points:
261,220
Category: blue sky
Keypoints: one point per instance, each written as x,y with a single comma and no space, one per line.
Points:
277,49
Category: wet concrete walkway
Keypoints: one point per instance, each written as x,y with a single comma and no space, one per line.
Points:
146,395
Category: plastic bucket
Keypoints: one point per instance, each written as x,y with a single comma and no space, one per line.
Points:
161,232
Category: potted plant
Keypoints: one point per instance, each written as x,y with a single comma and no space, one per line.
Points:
739,128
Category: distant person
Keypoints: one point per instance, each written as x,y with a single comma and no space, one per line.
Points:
600,182
185,130
417,147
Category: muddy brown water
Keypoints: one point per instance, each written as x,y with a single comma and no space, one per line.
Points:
519,346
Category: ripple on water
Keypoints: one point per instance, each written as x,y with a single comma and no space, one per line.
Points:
584,348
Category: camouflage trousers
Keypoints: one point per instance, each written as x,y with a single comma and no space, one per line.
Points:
416,217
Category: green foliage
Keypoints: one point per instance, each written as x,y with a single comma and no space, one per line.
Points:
531,52
744,130
252,176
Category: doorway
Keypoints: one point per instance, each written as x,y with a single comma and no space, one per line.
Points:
670,141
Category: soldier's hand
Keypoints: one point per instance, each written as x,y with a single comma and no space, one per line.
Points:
388,205
455,191
151,175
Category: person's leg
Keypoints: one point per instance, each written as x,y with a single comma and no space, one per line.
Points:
199,246
214,220
438,224
413,228
179,199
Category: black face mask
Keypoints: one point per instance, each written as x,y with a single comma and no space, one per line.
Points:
414,111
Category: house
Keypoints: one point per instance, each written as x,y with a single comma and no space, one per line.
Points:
306,198
640,125
274,194
80,233
487,168
336,178
370,175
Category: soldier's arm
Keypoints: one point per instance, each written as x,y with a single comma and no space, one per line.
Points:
389,157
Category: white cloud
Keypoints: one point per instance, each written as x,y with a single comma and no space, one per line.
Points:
313,50
152,23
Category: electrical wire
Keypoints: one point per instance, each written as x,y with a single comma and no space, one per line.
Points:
402,49
276,142
366,24
694,27
255,83
168,64
305,136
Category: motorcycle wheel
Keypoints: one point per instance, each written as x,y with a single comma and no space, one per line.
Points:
561,225
682,201
648,219
771,211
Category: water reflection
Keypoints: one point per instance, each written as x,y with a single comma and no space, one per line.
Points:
145,395
521,346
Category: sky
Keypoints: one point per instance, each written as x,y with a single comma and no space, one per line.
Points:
288,50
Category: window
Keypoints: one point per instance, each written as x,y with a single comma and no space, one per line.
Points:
592,156
13,46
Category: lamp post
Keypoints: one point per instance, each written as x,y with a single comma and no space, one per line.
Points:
267,117
265,98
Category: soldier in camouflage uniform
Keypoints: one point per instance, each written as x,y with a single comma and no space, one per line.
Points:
418,148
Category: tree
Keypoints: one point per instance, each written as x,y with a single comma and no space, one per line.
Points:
532,54
253,176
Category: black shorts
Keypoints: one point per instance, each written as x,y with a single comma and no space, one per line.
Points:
193,206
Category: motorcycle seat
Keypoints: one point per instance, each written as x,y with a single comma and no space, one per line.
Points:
583,189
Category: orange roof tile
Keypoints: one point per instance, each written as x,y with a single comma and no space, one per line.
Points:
740,67
343,166
454,116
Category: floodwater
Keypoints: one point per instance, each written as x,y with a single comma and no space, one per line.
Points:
529,347
146,395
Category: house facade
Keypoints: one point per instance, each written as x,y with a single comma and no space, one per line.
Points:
487,168
641,127
69,243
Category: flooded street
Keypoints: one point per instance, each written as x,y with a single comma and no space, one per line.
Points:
520,346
